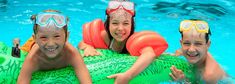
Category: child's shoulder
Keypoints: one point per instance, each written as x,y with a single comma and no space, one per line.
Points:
68,48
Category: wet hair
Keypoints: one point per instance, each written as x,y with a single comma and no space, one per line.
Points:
35,26
207,36
106,25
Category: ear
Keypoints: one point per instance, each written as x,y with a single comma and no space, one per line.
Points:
181,42
67,36
208,43
34,37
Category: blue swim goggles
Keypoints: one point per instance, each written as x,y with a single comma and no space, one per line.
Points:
45,18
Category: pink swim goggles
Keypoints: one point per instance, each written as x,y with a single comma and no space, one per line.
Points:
126,5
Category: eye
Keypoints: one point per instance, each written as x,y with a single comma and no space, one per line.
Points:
186,43
57,36
44,38
126,23
198,44
114,23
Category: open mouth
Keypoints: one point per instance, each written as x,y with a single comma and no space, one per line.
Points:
51,49
119,34
193,55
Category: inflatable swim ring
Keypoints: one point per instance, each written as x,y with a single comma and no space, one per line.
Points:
99,67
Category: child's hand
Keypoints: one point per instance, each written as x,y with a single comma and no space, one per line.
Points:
91,51
178,52
177,74
120,78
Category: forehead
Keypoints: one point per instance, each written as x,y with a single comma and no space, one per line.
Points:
50,30
120,14
193,35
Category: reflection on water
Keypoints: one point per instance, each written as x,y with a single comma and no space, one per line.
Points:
198,10
3,5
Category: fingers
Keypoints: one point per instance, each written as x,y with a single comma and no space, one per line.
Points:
172,76
173,73
176,73
91,53
112,76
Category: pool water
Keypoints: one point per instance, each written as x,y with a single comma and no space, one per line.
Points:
162,16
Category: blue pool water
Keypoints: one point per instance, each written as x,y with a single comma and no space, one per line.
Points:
162,16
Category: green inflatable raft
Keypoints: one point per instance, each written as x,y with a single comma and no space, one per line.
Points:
99,67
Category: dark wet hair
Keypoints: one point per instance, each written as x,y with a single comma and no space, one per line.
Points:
207,36
35,26
106,25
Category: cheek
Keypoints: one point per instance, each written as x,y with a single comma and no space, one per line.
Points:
111,28
40,42
128,30
203,50
184,47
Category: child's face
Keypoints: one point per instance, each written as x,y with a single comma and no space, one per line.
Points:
120,25
194,46
51,40
16,41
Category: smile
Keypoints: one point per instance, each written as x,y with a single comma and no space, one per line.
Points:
120,34
51,49
193,55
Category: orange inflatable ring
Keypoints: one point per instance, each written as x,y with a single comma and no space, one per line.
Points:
92,34
86,34
143,39
28,45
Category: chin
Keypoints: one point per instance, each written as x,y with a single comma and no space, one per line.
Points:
192,61
52,56
121,39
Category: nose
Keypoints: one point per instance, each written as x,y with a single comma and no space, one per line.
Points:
120,27
191,48
50,43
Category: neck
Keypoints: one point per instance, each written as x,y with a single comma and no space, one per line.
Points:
202,63
118,46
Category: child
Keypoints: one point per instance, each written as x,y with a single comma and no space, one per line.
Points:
16,48
117,34
195,43
51,49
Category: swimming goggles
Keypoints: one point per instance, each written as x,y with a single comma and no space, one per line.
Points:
115,5
201,26
45,18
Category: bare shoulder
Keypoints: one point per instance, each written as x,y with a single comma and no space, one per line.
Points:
72,53
69,47
213,71
213,63
105,36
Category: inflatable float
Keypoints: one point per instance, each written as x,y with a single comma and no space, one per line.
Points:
99,67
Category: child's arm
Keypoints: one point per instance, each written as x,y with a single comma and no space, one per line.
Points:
25,73
79,66
88,49
28,68
146,57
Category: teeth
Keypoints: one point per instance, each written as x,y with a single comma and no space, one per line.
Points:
193,55
119,34
51,50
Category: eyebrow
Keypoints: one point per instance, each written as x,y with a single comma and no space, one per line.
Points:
115,21
56,33
198,41
126,21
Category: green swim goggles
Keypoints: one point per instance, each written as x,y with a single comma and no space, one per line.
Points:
45,18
